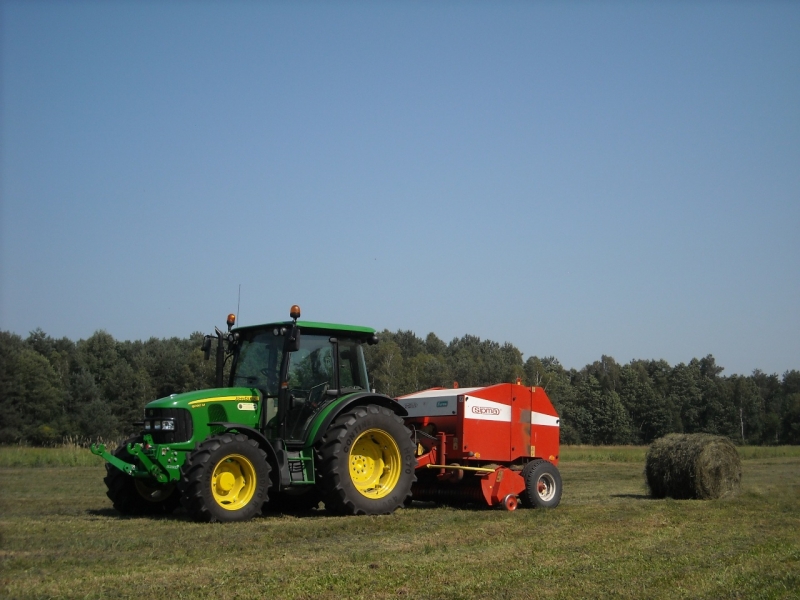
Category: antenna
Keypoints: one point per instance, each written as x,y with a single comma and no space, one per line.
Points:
238,302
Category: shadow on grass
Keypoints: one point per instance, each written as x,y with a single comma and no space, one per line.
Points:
311,513
111,513
180,514
634,496
103,512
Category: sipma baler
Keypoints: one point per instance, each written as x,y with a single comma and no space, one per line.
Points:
497,444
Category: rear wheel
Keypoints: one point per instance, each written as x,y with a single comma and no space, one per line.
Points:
542,484
225,479
137,495
366,462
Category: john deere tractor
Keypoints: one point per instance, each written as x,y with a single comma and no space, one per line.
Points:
296,424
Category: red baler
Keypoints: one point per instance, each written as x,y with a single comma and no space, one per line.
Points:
497,444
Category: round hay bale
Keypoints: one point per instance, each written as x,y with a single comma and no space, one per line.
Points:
695,465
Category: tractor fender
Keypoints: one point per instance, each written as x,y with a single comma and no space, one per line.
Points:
276,458
351,401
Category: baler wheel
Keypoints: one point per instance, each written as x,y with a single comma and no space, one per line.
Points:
225,479
135,495
542,484
510,502
366,462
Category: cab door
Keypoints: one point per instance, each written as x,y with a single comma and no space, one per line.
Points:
311,372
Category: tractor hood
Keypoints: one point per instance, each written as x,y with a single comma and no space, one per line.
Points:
201,398
194,416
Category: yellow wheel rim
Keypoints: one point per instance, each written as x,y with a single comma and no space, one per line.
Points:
375,463
233,482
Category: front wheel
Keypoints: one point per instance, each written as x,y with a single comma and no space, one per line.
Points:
542,484
366,462
225,479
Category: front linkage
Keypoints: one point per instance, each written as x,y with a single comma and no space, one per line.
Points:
154,461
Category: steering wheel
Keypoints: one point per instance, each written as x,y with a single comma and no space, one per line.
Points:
317,393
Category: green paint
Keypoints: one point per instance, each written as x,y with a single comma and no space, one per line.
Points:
316,424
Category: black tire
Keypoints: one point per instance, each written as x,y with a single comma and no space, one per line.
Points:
225,479
366,462
137,495
542,484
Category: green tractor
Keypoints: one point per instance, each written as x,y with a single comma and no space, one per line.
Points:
297,424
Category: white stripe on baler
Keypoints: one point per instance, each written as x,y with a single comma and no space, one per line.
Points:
538,418
440,393
486,410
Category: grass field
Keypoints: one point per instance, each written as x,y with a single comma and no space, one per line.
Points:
61,539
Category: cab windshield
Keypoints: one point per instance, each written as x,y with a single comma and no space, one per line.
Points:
257,362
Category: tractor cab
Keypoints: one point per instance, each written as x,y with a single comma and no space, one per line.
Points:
299,368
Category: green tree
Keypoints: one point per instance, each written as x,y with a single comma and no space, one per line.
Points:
435,346
686,395
31,402
385,365
610,424
650,412
790,420
747,409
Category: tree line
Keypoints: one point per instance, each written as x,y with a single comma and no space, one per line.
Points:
604,402
97,388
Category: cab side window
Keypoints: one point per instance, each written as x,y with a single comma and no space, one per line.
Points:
352,369
312,365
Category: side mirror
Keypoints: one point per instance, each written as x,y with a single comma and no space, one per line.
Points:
206,347
293,341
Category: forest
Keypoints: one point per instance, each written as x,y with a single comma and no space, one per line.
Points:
56,389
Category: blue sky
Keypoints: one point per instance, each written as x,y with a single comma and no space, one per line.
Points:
577,179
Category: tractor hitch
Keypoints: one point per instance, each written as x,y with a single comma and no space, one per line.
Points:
100,450
151,469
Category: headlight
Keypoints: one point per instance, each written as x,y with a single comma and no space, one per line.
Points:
159,425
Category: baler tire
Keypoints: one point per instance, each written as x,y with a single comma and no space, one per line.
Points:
542,484
225,479
510,503
366,462
136,495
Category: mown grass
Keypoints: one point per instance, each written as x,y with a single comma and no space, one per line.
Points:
60,538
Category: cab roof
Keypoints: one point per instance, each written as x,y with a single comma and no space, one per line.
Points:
314,325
